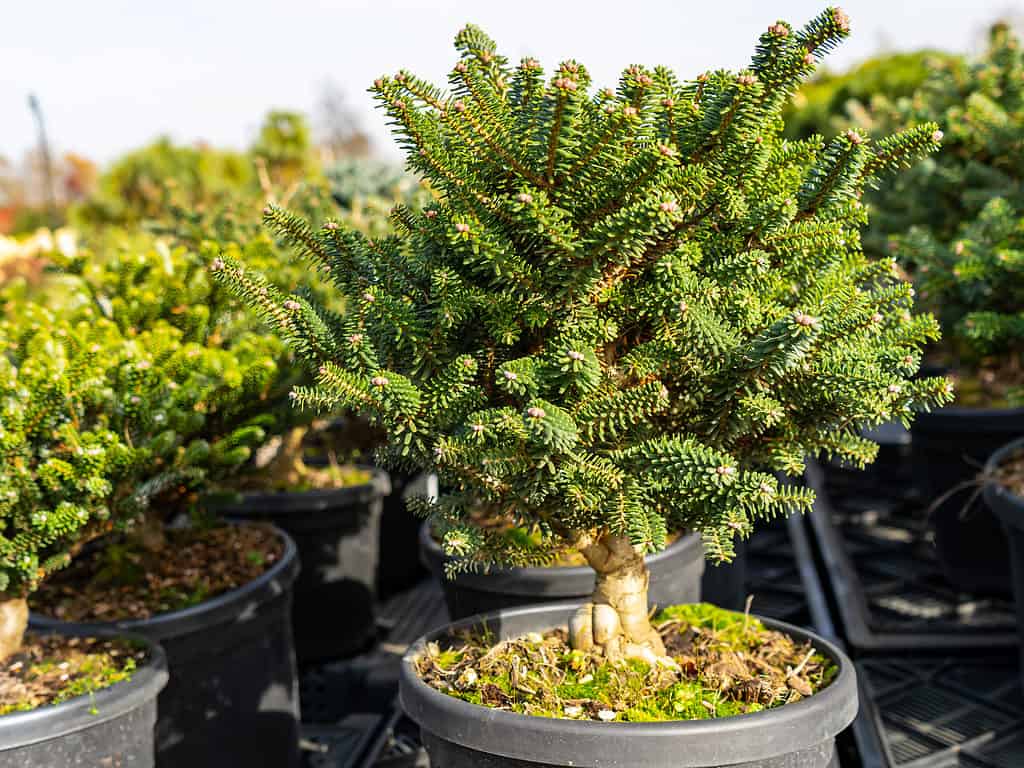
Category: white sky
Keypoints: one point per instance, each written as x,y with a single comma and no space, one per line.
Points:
113,74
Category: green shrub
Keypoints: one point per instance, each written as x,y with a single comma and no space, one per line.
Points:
956,221
626,309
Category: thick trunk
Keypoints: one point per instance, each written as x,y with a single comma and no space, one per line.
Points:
13,623
150,533
287,469
616,620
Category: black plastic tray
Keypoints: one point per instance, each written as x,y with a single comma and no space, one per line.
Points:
873,536
919,712
341,745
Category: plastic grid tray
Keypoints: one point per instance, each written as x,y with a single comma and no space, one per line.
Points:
940,713
874,539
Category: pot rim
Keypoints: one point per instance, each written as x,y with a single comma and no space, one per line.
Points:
51,722
379,484
224,607
691,743
1000,498
952,417
433,552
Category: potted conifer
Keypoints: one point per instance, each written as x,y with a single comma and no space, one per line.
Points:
964,209
217,597
626,309
67,477
1004,496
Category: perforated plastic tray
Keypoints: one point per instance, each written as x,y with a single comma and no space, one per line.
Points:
874,539
918,712
342,745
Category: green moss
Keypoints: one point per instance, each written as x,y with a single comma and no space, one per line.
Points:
729,664
83,675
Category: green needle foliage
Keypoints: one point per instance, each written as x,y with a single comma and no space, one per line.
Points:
833,102
965,213
129,381
628,306
978,104
99,426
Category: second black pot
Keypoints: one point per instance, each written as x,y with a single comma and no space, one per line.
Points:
948,447
675,579
337,532
233,695
458,734
1009,508
111,727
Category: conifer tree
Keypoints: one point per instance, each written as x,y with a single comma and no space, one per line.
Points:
965,214
102,429
625,310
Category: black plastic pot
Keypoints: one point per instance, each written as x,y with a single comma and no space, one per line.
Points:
1009,508
233,696
112,727
675,578
949,447
725,584
399,568
337,532
462,735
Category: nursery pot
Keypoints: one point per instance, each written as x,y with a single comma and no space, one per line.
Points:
400,568
949,447
337,533
112,727
1009,508
458,734
233,697
675,578
725,584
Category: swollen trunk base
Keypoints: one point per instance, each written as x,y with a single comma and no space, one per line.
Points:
458,734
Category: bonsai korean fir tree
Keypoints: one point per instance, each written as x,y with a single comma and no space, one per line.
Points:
102,430
626,310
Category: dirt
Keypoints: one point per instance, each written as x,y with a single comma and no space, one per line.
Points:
302,477
51,669
122,581
725,664
990,387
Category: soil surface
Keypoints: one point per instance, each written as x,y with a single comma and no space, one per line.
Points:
991,387
120,581
305,478
50,669
726,663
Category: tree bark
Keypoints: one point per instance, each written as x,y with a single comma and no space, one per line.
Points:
616,621
13,623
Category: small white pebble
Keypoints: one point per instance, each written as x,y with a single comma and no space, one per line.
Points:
573,711
607,715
